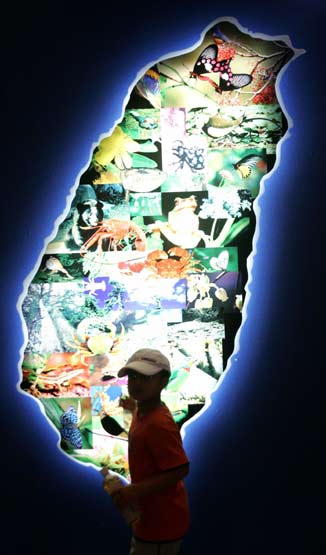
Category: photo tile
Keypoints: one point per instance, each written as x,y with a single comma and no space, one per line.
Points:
145,204
73,420
240,169
144,123
58,374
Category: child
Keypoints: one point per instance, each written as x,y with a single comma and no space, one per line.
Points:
157,460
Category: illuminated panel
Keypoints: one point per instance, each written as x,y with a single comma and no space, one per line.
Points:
153,249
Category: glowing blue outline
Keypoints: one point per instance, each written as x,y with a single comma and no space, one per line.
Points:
250,260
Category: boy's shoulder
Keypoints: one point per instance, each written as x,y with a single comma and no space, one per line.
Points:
162,417
162,412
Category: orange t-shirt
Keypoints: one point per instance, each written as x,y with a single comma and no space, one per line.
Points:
155,445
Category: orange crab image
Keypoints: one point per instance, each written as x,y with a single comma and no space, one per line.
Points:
175,263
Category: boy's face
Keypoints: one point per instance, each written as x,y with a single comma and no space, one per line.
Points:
145,388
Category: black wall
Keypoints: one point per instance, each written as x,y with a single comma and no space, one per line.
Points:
256,474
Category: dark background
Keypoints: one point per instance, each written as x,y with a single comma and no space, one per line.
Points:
256,455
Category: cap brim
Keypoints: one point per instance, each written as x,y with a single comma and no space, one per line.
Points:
141,366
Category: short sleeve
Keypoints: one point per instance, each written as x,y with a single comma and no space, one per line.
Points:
165,443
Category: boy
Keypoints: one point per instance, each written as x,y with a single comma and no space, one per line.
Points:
157,460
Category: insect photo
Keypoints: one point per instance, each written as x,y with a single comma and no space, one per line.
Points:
192,157
70,431
215,59
245,166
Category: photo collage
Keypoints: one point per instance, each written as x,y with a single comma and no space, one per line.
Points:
153,249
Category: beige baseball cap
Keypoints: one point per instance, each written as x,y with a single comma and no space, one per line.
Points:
147,362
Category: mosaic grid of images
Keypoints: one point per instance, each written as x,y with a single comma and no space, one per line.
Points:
150,252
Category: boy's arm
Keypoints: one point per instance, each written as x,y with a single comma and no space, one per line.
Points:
131,494
127,403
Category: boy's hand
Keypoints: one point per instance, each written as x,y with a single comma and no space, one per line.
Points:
127,403
124,496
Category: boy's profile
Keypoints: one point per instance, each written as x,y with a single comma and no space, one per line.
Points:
157,460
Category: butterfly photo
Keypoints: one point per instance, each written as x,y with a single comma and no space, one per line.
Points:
70,431
241,169
245,166
216,59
